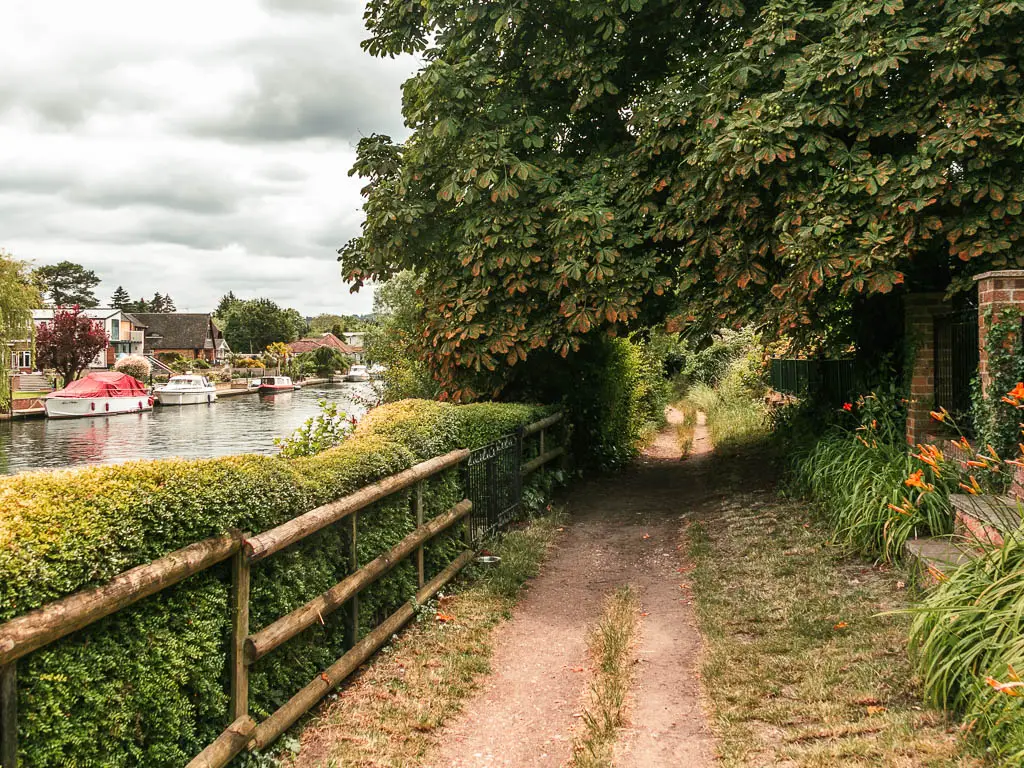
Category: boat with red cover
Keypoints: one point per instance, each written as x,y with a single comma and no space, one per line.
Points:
99,394
269,385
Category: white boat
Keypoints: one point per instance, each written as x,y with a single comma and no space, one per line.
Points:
357,373
269,385
99,394
188,389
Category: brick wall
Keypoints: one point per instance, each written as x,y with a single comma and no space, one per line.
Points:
920,310
996,290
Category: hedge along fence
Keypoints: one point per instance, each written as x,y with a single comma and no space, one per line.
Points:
151,684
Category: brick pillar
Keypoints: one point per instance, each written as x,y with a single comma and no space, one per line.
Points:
919,311
996,291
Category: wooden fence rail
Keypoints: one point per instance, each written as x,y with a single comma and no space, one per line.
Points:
38,628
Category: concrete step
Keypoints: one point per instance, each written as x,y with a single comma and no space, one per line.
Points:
935,558
986,519
33,382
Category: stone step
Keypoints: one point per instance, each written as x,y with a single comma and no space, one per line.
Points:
986,519
934,558
33,382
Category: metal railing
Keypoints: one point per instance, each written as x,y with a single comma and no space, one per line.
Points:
827,381
30,632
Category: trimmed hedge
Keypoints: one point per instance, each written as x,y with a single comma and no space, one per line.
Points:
147,686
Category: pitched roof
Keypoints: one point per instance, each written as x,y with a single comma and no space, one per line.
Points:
178,330
315,342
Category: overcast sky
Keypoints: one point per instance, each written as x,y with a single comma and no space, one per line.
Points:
191,147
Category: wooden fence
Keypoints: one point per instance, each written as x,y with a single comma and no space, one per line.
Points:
32,631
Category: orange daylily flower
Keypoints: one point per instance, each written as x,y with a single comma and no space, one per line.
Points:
916,480
938,415
968,489
1010,688
902,510
1017,393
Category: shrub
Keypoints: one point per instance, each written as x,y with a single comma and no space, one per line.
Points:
967,642
147,685
859,478
134,365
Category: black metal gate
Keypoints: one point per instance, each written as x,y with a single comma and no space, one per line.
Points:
956,363
494,485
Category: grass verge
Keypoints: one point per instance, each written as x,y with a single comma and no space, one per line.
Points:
609,642
389,714
800,666
735,419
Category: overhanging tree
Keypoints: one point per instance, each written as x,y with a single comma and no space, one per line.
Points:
583,166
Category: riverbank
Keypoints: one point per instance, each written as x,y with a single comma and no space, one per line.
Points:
232,425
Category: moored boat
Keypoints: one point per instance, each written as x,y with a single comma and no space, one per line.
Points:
269,385
99,394
187,389
357,373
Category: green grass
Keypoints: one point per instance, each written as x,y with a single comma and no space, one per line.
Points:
971,627
609,642
803,664
854,484
735,419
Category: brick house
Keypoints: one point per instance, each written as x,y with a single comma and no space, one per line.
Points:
124,330
193,336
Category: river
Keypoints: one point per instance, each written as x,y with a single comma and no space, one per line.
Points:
242,424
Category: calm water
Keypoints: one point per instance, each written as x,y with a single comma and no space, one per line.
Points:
244,424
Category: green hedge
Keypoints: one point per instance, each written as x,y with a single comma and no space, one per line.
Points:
147,685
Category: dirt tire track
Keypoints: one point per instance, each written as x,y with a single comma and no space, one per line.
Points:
623,529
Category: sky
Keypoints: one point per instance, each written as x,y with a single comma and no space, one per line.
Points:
193,147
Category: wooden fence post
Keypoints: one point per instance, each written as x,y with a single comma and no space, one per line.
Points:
240,580
8,716
419,522
541,453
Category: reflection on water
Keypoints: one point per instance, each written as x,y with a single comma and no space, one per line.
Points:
244,424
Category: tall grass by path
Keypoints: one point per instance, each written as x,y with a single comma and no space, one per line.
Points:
735,419
610,643
857,483
968,641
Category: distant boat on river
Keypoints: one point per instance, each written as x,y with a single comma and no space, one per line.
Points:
186,390
103,393
269,385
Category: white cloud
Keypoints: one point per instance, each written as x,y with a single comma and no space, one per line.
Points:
191,148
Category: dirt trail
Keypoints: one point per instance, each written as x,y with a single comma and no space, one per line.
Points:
623,529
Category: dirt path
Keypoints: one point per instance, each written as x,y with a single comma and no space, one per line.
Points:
624,529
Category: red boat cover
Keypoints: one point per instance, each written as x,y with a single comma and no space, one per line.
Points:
105,384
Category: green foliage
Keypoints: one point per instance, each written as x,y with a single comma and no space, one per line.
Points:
18,295
251,326
391,343
338,324
969,628
855,474
710,364
147,685
615,396
997,422
327,429
579,166
67,284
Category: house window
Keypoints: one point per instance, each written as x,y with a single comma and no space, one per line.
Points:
115,330
21,359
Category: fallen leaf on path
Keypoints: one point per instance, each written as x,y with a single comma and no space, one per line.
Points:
876,710
560,529
575,669
445,617
900,585
646,536
645,613
840,625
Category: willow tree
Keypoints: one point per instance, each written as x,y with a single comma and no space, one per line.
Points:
581,166
18,297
